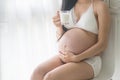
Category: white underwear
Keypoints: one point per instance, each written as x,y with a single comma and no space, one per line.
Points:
96,64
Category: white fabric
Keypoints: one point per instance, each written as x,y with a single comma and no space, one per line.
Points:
96,64
87,21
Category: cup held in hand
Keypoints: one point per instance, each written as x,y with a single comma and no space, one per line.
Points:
64,17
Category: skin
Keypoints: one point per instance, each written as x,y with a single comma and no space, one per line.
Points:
67,65
77,42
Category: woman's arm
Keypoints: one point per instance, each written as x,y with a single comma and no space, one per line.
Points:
60,30
59,33
104,27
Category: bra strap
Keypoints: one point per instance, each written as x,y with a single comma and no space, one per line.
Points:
92,2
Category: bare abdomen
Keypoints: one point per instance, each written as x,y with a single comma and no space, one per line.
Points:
76,40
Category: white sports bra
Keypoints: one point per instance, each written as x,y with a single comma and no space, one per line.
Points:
87,21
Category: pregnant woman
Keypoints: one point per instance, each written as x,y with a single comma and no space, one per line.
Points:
80,43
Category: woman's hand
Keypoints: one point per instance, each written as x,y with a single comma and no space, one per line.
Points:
59,28
68,56
56,20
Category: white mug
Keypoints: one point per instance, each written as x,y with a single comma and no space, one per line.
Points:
64,17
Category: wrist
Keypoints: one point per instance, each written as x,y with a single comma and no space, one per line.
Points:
76,58
59,28
59,33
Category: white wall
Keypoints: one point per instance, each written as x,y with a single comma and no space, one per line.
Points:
116,75
114,6
2,21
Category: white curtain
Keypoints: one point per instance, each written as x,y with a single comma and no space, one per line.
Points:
27,36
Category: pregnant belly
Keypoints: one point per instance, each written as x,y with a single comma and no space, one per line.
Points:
76,40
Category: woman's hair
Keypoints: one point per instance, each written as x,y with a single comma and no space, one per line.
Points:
67,5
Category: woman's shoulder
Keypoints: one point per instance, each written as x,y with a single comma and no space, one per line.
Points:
100,5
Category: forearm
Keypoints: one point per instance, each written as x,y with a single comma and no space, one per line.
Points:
59,32
92,51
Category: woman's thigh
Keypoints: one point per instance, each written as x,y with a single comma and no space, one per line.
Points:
48,65
71,71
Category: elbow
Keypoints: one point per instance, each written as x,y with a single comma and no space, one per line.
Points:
102,46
